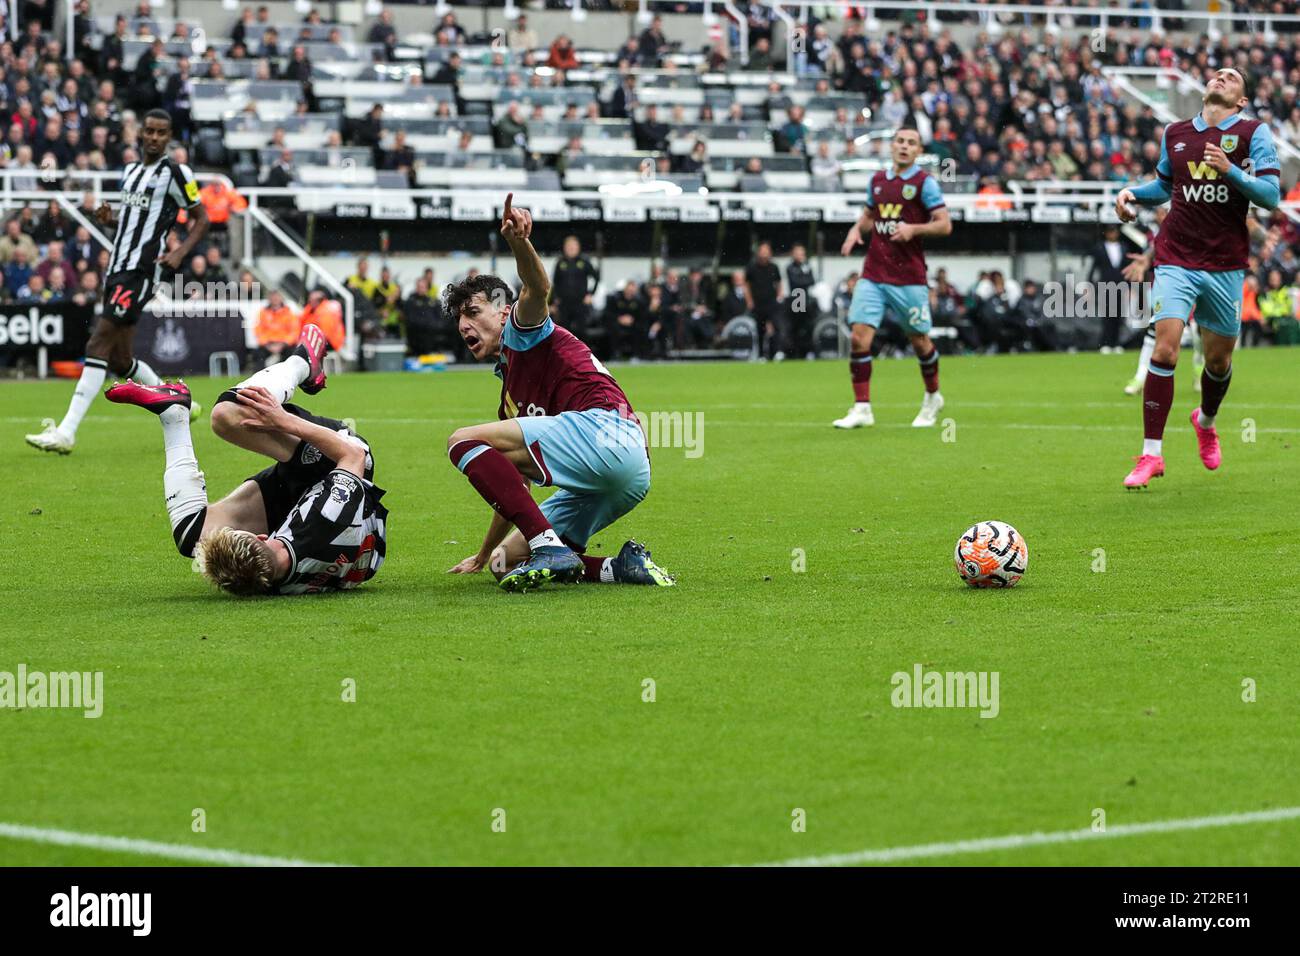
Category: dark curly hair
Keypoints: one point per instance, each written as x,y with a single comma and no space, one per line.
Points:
457,294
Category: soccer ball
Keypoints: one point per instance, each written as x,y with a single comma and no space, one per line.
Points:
991,554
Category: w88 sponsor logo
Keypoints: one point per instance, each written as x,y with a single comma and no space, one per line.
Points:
1206,192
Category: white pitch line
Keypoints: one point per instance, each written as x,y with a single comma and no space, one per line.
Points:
1022,840
170,851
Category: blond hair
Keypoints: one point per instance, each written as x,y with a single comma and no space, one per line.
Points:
236,561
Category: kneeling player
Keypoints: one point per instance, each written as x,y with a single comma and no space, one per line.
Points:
311,522
565,422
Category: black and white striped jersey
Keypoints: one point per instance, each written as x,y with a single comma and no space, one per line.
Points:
335,535
151,198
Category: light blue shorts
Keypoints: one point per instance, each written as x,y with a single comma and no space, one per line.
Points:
1214,296
909,304
598,460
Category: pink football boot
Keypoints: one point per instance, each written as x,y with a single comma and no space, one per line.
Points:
1147,467
1208,440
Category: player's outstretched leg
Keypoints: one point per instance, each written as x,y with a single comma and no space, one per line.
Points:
928,357
633,566
1144,359
184,487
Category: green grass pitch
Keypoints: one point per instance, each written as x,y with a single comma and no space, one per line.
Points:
1120,689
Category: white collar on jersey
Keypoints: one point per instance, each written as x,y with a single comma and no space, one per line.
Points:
1201,126
908,173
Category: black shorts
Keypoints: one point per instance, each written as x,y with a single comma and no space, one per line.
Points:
283,483
125,296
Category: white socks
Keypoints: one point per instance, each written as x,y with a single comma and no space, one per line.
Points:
547,538
862,406
88,386
183,484
607,571
1148,346
1204,420
142,373
280,379
1152,446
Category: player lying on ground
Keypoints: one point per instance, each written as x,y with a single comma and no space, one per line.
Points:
310,522
1211,168
577,431
904,205
153,193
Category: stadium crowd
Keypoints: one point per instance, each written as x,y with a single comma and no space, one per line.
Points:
1017,104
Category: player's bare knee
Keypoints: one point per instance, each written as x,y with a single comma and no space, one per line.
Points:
458,436
1218,365
224,419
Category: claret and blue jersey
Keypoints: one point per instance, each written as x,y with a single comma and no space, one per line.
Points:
1202,249
894,273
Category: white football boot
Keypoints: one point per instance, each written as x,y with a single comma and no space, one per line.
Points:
51,439
859,416
929,413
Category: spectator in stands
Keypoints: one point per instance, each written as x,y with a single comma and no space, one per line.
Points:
650,134
520,36
14,240
369,130
216,267
239,33
562,55
1109,257
1252,320
624,323
993,306
791,137
57,286
511,130
695,305
736,302
80,249
401,158
299,68
382,30
387,300
87,288
802,311
178,99
572,287
760,57
54,262
33,290
657,318
220,200
1278,310
449,27
1029,319
652,45
328,316
54,226
362,282
276,331
623,100
427,328
765,296
825,169
696,161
